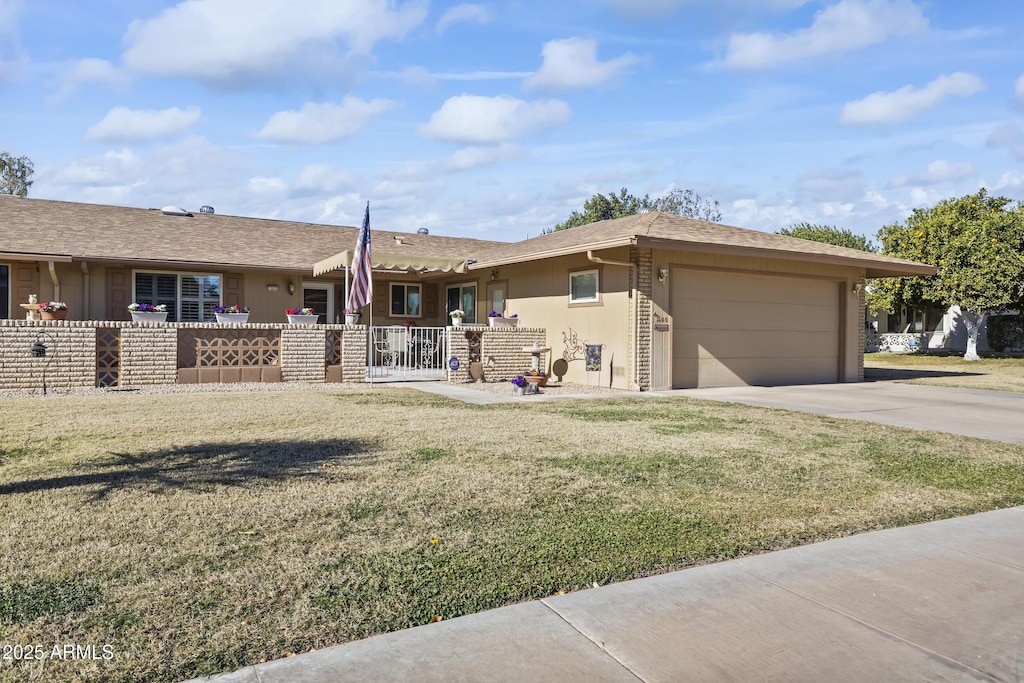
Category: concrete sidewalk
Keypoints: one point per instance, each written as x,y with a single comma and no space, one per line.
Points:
939,601
971,412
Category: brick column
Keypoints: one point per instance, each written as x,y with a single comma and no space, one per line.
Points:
643,304
353,353
303,354
149,354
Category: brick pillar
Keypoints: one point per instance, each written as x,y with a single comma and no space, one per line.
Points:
303,354
458,347
149,354
862,317
643,305
353,353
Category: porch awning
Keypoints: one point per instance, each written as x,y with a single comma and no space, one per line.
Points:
392,262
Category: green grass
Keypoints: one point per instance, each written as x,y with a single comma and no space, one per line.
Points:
201,533
992,372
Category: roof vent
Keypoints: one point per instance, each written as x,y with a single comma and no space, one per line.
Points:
422,231
206,209
399,240
171,210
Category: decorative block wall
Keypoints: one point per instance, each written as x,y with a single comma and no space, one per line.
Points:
501,351
302,354
353,353
148,354
70,360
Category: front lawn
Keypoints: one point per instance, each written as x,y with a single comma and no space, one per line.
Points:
999,373
200,533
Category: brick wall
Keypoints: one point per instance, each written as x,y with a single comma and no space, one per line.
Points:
149,352
644,320
70,360
501,352
862,317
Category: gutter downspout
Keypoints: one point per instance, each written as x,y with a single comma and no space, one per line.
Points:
85,288
56,282
598,259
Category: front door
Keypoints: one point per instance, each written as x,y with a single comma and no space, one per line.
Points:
319,297
496,296
463,297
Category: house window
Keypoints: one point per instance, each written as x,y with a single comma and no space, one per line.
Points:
584,287
463,297
188,297
405,300
5,291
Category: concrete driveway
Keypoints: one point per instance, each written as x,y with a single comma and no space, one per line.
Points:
997,415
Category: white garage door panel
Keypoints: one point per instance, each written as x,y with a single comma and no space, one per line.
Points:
740,316
732,329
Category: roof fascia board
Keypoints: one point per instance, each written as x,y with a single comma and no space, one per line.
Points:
875,268
553,253
22,256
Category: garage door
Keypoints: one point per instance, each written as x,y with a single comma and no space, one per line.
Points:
734,329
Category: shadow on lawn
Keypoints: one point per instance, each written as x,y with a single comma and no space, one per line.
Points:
205,466
883,374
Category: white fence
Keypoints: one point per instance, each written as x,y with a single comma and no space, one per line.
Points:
408,353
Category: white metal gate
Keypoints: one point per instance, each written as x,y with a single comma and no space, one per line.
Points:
408,353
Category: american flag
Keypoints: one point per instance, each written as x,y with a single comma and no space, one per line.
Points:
362,280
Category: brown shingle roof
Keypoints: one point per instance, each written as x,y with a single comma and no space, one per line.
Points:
99,232
669,231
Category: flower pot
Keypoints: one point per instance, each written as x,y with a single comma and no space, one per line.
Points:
503,322
541,381
303,319
352,318
232,318
520,391
456,321
149,316
53,315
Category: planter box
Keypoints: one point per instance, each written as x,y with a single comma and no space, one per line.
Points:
503,322
232,318
541,381
352,318
53,315
303,319
148,317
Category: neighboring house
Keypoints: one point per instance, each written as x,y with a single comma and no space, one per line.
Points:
933,328
651,301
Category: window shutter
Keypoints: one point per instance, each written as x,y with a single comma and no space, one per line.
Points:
234,286
119,293
430,300
381,299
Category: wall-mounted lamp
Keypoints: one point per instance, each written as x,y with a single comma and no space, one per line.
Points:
857,287
271,288
662,274
494,275
291,287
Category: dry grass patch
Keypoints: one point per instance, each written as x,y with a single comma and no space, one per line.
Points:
994,373
204,532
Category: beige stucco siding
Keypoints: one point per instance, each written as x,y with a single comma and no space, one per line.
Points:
538,292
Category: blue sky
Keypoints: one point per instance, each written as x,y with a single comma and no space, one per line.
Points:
497,119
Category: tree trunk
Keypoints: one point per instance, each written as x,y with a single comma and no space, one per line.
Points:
974,321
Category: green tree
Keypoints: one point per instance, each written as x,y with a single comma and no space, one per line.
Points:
977,244
841,237
602,208
15,175
690,204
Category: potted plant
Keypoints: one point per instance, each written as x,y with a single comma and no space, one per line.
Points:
238,315
302,316
53,310
457,315
354,317
498,320
536,377
519,385
148,313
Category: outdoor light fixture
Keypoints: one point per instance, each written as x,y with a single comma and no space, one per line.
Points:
291,287
857,286
662,274
494,274
38,350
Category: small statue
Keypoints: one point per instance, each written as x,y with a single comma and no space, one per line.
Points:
33,299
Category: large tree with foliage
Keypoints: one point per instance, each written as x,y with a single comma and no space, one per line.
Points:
977,244
15,175
841,237
601,208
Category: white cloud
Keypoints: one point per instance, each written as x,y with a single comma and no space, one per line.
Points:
322,178
141,125
572,63
87,72
320,123
481,75
939,171
656,9
231,39
462,13
846,26
474,157
1019,89
908,102
475,119
1008,135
